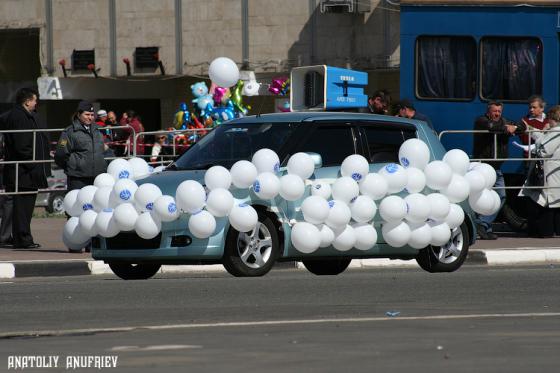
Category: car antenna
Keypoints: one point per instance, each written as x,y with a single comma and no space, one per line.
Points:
261,105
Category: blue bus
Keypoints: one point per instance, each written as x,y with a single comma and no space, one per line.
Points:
456,56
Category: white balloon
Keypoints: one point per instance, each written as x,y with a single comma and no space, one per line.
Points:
74,246
266,160
419,208
146,196
165,208
327,235
202,224
455,217
104,180
301,164
105,223
363,209
497,202
102,198
374,186
321,189
243,174
392,208
190,196
217,177
345,189
220,202
123,191
315,209
439,205
414,153
476,181
458,160
292,187
224,72
355,166
70,204
158,169
306,237
73,232
396,233
416,180
345,240
339,214
125,216
140,168
483,202
85,197
458,189
147,226
420,235
488,172
243,217
438,175
441,233
87,223
251,88
396,177
267,185
366,236
120,169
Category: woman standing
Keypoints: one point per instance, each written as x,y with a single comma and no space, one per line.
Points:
545,202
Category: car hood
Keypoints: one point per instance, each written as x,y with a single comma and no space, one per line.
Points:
168,181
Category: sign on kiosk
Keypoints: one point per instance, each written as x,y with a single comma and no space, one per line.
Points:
323,88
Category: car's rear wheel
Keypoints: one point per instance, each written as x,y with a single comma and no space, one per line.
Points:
253,253
327,267
55,203
134,271
449,257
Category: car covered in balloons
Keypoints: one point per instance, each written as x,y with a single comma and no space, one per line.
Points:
321,188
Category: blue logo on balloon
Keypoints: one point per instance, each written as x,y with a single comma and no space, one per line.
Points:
150,206
125,194
87,206
108,209
331,204
391,168
124,174
356,176
172,208
405,162
257,186
277,167
353,199
243,204
318,186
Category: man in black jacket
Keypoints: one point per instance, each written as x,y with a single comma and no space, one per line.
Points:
28,177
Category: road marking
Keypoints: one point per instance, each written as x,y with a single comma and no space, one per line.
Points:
153,348
66,332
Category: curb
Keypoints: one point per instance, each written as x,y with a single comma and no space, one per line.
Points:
78,267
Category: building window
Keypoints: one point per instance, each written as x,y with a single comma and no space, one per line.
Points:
511,68
446,67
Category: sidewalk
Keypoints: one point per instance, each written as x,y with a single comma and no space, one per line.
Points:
52,259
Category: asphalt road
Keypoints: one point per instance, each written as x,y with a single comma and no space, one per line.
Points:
479,319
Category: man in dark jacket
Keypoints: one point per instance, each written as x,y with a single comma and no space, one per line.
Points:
25,146
500,130
80,149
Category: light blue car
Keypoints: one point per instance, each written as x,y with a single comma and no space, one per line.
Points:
329,137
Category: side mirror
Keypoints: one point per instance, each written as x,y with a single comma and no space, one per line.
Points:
317,159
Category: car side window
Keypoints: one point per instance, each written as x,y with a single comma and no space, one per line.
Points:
384,143
333,143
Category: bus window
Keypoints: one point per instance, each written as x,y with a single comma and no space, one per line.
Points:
511,68
446,67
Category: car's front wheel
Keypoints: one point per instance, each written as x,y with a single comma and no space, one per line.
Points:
449,257
134,271
327,267
251,254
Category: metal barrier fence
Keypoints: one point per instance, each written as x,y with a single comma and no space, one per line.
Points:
189,136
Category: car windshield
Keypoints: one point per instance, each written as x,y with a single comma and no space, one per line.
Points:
229,143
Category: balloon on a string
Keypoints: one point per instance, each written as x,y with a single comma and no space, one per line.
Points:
220,202
458,189
476,181
441,233
393,208
190,196
345,240
439,205
147,226
140,168
363,209
123,191
217,177
224,72
458,160
305,237
355,166
85,197
374,186
366,236
339,214
420,235
455,217
327,235
120,169
243,217
125,216
416,180
414,153
321,189
396,177
396,233
87,223
292,187
105,223
266,186
266,160
202,224
345,189
243,174
315,209
70,203
146,196
438,175
102,198
104,180
419,208
166,209
302,165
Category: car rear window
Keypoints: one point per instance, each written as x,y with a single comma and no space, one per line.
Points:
333,143
384,142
